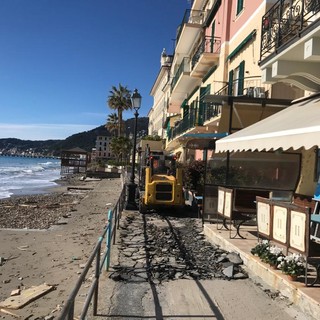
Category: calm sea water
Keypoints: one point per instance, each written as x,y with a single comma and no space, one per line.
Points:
22,176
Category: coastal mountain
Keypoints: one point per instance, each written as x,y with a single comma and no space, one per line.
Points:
85,140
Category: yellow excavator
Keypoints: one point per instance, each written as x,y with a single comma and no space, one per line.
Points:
160,182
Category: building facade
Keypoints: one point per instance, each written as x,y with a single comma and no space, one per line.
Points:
158,113
217,54
102,148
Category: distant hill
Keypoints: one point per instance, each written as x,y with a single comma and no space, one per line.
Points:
84,140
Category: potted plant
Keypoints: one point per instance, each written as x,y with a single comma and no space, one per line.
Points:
272,256
261,249
292,265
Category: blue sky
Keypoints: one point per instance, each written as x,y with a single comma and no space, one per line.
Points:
60,58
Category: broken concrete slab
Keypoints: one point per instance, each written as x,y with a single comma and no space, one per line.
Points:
26,296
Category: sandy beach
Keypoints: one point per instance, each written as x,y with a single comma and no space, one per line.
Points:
47,238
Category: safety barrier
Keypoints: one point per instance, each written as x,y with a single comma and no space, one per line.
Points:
109,234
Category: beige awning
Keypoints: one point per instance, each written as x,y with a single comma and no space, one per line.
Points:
294,127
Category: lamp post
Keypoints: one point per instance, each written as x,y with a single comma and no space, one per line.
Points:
131,186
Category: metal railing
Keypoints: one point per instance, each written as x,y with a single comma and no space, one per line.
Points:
248,83
109,234
208,45
204,112
211,111
186,123
191,17
285,21
183,67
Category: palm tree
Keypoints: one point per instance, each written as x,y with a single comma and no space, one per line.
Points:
121,147
119,99
112,123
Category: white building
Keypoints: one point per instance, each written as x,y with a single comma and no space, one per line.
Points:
159,92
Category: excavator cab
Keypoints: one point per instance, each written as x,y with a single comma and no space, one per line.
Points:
161,182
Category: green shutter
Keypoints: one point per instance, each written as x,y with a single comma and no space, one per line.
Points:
168,130
185,111
230,83
239,6
241,78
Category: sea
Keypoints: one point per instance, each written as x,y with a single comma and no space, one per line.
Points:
26,176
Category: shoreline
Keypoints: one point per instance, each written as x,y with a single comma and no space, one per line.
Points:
58,185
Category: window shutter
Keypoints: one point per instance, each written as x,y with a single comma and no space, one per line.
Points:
241,78
239,6
230,83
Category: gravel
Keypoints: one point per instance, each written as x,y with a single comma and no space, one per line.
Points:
156,248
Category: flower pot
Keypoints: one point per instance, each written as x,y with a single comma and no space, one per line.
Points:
292,277
273,266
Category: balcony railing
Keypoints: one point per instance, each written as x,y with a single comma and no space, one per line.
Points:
184,67
186,123
208,45
196,117
285,21
251,87
210,111
191,17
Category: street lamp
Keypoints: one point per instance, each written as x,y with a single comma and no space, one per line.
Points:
131,186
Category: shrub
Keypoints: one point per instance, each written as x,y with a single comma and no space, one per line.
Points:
193,175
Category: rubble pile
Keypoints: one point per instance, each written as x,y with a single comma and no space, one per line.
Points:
157,248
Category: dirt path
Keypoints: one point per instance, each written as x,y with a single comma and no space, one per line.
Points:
55,256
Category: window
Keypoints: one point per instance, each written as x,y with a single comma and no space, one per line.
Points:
239,6
257,170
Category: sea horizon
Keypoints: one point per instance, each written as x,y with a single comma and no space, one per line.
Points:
21,175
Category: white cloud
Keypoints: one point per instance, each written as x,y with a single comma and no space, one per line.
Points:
41,131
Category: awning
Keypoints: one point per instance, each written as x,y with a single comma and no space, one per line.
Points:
242,45
201,141
294,127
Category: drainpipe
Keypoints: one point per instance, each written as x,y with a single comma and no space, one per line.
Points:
230,103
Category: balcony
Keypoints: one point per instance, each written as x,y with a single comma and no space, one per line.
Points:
205,56
248,86
210,112
186,123
196,118
182,83
188,30
285,23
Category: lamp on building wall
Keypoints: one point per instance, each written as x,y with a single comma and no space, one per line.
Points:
131,186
